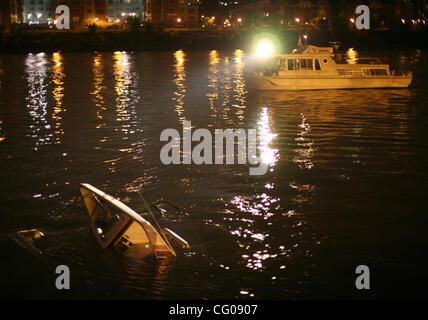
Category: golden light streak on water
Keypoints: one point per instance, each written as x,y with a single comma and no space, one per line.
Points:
122,76
213,69
2,137
127,97
352,56
179,80
126,93
226,92
226,89
98,88
58,94
214,58
239,86
238,56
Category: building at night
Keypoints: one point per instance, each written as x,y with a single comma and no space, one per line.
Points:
295,13
411,14
291,12
119,9
84,12
8,13
37,11
172,12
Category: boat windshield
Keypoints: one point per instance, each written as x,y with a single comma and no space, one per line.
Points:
267,67
106,219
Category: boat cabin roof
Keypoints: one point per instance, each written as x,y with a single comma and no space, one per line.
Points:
310,49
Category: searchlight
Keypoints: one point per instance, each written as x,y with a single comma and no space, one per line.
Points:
265,49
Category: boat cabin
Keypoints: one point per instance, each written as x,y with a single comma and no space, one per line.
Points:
312,61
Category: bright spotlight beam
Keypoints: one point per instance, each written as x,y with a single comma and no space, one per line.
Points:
264,49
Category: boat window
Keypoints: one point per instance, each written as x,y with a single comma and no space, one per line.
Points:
375,72
135,234
380,72
300,64
293,64
105,217
324,60
306,64
317,65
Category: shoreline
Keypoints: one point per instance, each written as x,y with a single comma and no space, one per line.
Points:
87,41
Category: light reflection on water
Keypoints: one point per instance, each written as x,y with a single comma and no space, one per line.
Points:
252,236
37,79
226,88
58,94
2,138
212,92
180,78
268,154
98,89
305,150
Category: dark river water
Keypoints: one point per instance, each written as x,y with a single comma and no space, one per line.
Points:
346,185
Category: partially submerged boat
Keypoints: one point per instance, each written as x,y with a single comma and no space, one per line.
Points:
312,67
117,226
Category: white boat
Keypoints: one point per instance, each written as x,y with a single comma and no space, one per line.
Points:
312,67
116,225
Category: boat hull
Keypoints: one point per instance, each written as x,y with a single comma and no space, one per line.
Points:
282,83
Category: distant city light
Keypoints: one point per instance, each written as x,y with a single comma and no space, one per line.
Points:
178,20
29,15
123,14
239,20
297,20
305,36
39,15
352,20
